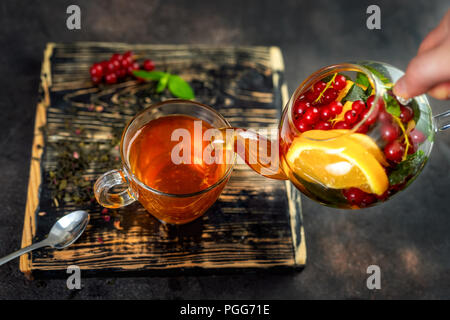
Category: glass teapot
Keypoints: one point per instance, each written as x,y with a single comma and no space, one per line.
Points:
344,139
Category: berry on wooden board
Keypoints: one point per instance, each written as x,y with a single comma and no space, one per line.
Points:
118,67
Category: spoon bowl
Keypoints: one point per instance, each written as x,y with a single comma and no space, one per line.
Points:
68,229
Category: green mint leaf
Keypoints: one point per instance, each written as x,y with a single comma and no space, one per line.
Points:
416,110
409,167
180,88
355,93
162,84
379,73
362,79
392,105
149,75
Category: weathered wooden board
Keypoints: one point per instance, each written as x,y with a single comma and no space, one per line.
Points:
255,224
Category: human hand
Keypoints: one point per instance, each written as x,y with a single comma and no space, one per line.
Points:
429,70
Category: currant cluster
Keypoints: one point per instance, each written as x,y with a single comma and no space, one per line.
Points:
118,67
392,135
317,107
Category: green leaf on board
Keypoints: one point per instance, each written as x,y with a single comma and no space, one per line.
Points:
177,86
149,75
180,88
409,167
162,83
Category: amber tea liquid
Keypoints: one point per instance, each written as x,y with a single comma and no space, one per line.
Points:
150,159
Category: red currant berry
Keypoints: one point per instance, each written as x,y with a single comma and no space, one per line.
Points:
96,80
126,62
364,128
380,104
412,146
406,114
111,78
394,151
341,125
300,107
135,65
370,116
130,70
311,95
129,54
110,66
329,96
370,101
354,196
311,115
319,86
116,56
384,196
96,70
121,73
339,82
148,65
417,136
325,113
117,64
385,116
336,108
323,125
359,106
104,64
389,132
368,199
132,67
351,117
302,126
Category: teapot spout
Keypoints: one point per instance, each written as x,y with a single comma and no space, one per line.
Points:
259,152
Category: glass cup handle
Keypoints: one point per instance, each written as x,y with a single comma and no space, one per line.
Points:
105,193
442,121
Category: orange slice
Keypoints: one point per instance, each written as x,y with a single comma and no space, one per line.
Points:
340,161
367,142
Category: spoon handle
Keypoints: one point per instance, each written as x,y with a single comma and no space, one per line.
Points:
22,251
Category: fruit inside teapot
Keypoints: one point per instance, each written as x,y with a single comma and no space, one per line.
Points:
344,139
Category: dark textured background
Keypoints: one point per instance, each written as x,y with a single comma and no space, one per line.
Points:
408,237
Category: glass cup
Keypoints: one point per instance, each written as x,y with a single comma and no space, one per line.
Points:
121,187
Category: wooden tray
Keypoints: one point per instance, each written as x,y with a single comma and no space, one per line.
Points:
256,223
